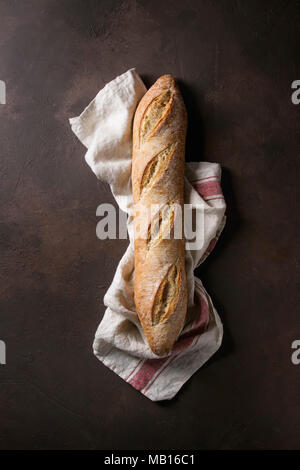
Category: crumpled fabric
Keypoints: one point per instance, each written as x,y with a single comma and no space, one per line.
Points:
105,129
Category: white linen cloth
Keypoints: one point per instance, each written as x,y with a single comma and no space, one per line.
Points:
105,129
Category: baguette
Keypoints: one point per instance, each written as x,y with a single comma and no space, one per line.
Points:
159,133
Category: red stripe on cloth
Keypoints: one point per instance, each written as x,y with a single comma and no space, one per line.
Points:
202,321
141,360
146,372
162,370
209,188
211,246
205,321
202,179
144,375
213,198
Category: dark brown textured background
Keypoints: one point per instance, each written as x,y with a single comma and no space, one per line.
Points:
235,62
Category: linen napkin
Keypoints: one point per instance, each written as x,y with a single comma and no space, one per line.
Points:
105,129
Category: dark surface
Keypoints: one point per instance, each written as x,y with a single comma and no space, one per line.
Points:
235,62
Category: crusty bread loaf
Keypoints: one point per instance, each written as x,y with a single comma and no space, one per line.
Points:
159,133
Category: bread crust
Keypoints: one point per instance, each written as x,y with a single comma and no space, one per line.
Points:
159,133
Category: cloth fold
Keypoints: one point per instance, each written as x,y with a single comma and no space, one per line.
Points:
105,129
